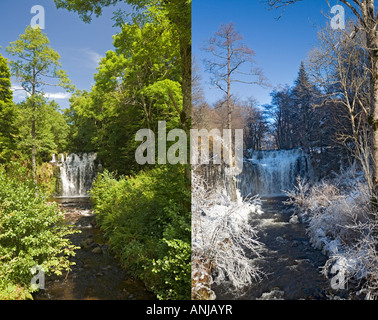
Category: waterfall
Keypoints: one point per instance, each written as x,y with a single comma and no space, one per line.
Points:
272,172
77,172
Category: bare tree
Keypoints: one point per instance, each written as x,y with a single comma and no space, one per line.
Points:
229,57
364,11
255,124
340,67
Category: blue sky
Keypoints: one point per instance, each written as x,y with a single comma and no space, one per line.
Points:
80,45
279,45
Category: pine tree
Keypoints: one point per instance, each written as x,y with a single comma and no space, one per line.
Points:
304,95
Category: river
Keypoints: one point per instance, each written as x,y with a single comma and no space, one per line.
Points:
291,265
96,274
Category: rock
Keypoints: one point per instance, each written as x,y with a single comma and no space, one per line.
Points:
294,219
97,250
108,267
272,295
294,243
280,239
287,236
89,240
84,246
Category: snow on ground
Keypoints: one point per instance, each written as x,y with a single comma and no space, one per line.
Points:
339,224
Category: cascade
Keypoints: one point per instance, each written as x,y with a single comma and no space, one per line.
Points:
77,172
271,172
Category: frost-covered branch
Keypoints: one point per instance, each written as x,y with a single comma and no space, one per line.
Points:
222,240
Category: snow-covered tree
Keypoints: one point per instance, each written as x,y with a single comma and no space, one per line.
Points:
221,239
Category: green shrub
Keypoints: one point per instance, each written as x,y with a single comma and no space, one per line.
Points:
146,219
32,232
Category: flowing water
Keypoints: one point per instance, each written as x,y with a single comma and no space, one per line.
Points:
272,172
291,266
96,275
77,172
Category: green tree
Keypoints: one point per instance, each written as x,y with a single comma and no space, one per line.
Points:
36,66
5,82
137,84
51,131
8,114
178,13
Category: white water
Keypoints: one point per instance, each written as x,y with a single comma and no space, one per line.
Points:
271,172
77,172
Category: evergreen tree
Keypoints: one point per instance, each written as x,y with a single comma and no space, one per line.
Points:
304,117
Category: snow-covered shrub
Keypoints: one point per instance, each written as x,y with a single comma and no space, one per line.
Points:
333,222
341,224
221,239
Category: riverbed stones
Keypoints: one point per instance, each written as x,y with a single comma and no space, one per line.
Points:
272,295
294,219
97,250
281,240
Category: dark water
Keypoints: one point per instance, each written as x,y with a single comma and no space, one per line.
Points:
291,265
96,275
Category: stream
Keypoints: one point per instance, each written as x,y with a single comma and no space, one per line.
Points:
96,274
291,265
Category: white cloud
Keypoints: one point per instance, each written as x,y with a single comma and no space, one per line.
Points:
90,57
14,88
58,95
18,92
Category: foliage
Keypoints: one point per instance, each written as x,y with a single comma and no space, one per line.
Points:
177,13
5,83
32,232
8,115
52,130
146,219
35,62
131,92
174,268
36,65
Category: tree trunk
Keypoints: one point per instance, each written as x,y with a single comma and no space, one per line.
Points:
186,115
372,43
33,133
34,165
230,177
